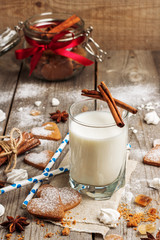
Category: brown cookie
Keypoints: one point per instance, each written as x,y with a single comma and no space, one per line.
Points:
70,198
44,186
39,160
113,237
57,68
48,130
153,157
48,205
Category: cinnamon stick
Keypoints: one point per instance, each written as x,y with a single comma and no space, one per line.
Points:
97,95
66,24
111,99
112,108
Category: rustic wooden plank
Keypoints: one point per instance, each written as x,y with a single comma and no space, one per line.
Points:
117,24
131,77
28,91
9,69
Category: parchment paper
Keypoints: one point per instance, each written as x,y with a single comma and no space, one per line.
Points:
85,214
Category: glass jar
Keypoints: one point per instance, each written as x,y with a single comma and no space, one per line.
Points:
56,56
53,66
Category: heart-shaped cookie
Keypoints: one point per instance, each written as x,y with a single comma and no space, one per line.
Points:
48,205
48,130
70,198
153,157
39,160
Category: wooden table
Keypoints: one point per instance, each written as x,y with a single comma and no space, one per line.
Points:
132,76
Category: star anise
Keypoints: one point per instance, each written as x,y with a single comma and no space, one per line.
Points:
59,116
16,224
151,237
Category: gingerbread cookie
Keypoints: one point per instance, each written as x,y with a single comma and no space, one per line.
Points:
70,198
48,205
49,131
153,157
39,160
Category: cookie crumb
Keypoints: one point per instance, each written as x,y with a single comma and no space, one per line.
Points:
42,225
74,222
8,236
37,221
49,235
66,232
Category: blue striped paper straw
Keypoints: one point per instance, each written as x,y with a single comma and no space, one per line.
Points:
128,146
47,169
34,179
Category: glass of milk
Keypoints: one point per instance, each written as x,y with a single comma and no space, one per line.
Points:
97,149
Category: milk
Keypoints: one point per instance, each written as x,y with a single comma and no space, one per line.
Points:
97,153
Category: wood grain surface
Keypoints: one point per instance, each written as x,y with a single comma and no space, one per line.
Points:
124,24
132,76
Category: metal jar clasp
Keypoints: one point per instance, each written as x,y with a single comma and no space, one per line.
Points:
93,47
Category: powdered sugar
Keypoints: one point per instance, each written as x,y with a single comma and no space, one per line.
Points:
134,94
24,119
37,157
4,97
29,90
153,155
45,208
51,194
48,205
71,95
42,131
69,196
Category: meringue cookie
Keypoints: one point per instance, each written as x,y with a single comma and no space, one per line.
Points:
156,142
109,216
152,118
2,210
55,102
17,175
2,115
155,183
37,103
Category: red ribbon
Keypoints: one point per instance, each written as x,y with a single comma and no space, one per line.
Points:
59,48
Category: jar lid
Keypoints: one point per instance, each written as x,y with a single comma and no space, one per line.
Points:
8,39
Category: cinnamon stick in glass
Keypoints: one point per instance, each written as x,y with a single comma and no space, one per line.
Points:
97,95
113,109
